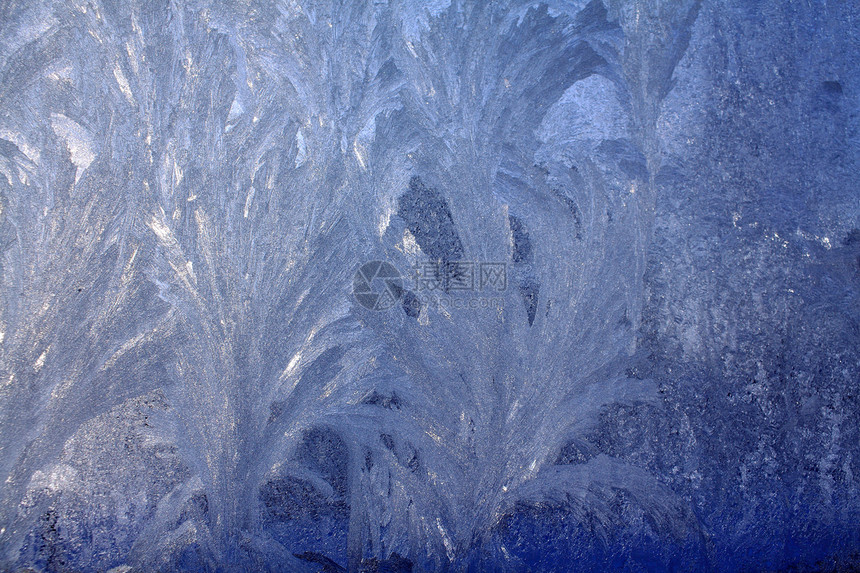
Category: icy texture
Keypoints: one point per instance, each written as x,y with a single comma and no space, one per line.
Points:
668,382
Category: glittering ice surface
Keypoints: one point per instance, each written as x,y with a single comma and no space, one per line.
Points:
618,327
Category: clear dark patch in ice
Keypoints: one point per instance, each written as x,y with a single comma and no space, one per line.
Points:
429,219
529,290
522,248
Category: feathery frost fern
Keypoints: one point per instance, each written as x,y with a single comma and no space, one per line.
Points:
189,187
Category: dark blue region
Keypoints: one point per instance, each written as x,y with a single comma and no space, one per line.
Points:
428,217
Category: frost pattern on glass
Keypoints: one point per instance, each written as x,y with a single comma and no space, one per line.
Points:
617,327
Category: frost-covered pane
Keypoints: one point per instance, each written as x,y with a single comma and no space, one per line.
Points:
404,286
